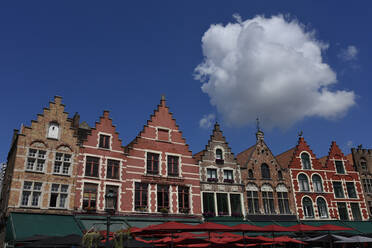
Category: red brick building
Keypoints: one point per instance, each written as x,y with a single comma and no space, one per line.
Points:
101,168
162,177
319,188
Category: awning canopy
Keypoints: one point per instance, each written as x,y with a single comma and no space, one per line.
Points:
21,226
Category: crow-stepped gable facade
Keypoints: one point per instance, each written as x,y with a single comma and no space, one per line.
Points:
42,164
161,174
220,178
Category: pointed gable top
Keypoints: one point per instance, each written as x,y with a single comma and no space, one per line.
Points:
335,153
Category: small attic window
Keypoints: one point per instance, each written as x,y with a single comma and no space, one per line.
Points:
53,130
219,154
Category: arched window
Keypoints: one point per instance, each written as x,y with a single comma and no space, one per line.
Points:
304,183
53,130
265,171
305,159
322,208
252,199
219,154
250,173
280,175
307,206
268,199
317,183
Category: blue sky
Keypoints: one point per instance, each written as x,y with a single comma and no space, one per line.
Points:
122,56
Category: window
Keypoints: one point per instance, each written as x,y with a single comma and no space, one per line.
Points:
355,211
152,163
104,141
228,176
307,205
211,175
265,171
58,196
31,194
219,154
163,198
35,160
236,207
113,169
208,204
280,175
342,211
183,199
53,130
283,203
253,204
114,191
317,183
62,163
268,202
305,159
172,166
367,185
322,208
140,198
370,206
250,174
363,164
351,190
90,196
222,204
339,191
92,167
340,167
304,183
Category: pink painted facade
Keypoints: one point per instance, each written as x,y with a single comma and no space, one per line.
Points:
161,174
101,168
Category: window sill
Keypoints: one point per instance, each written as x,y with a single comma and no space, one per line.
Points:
174,176
63,175
56,208
104,149
112,179
50,138
30,207
37,172
91,177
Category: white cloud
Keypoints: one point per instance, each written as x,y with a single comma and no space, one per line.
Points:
348,54
268,67
349,143
207,121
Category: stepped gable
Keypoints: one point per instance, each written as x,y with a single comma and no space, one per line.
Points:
336,153
55,112
302,146
160,127
216,136
103,126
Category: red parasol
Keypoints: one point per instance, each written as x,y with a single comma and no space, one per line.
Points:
286,239
210,226
330,227
305,228
276,228
166,227
247,228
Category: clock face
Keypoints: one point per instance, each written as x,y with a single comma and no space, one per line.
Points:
53,131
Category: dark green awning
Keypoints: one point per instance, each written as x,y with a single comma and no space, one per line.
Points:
21,225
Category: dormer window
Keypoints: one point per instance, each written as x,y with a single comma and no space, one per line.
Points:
339,167
104,141
219,156
53,130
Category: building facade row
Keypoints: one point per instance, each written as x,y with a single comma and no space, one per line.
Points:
60,165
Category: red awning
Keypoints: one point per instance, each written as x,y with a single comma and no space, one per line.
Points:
286,239
166,227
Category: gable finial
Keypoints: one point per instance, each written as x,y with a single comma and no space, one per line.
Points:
300,134
258,124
